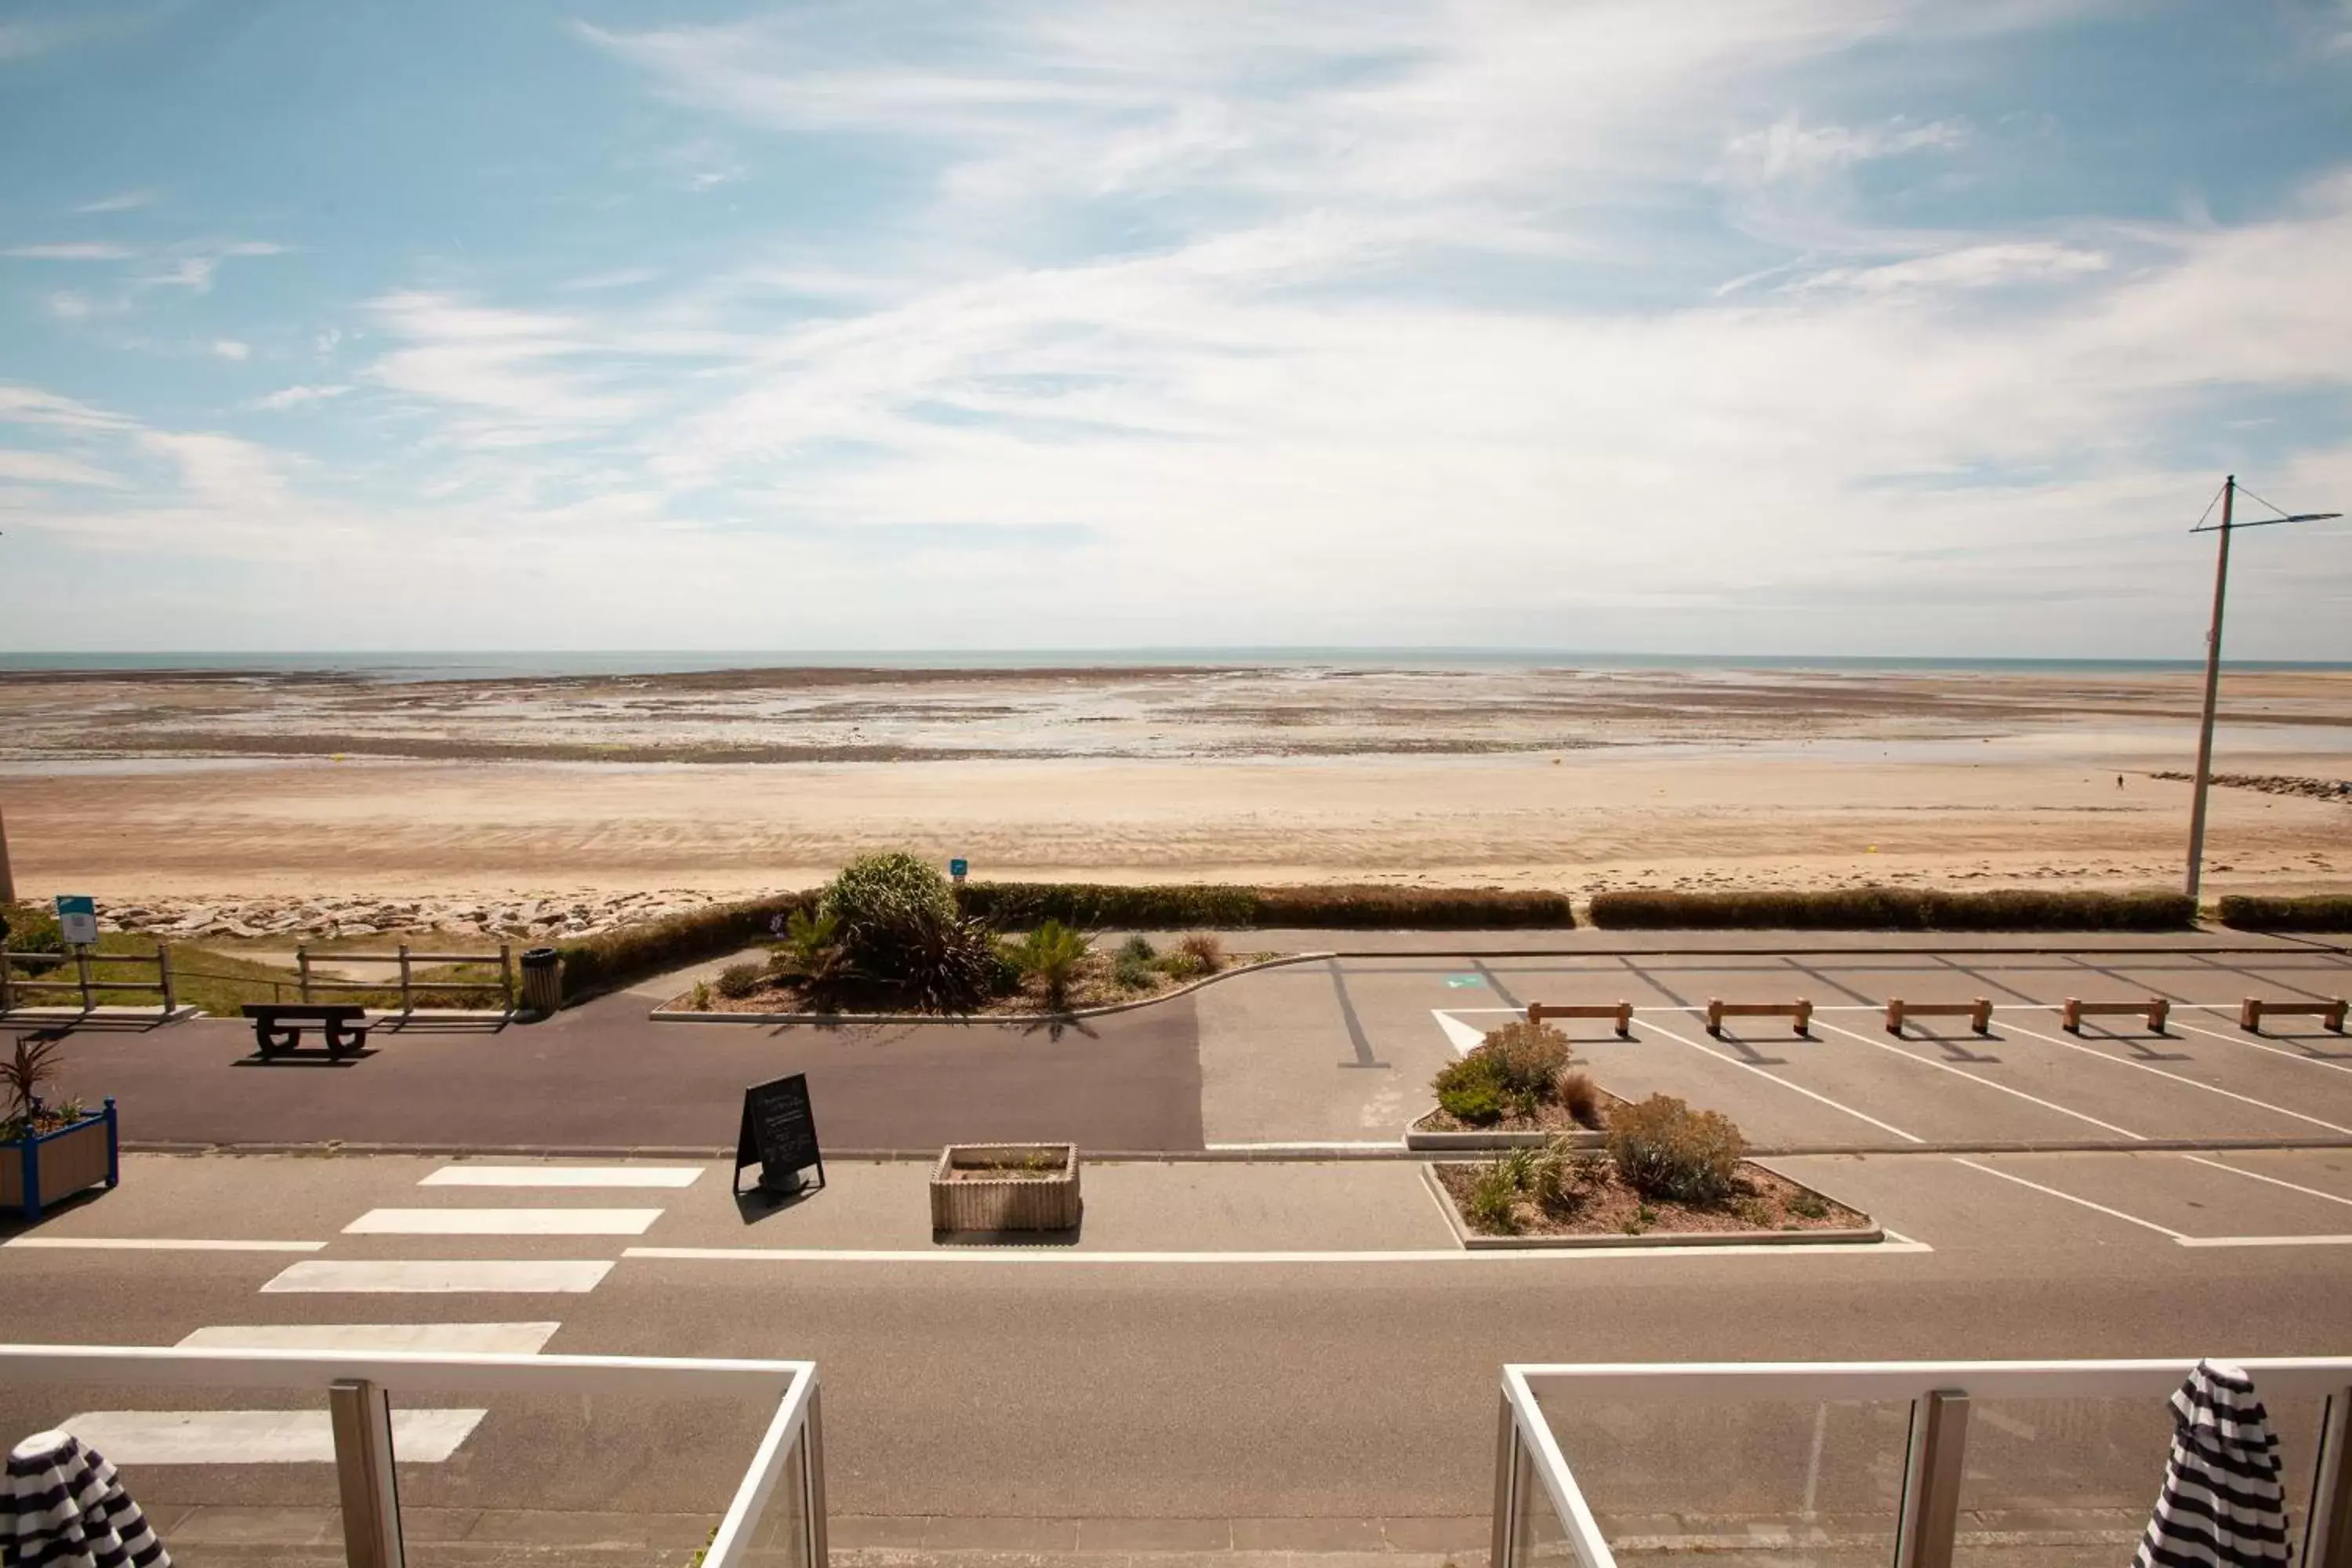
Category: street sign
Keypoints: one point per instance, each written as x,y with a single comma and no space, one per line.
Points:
957,868
779,1133
78,919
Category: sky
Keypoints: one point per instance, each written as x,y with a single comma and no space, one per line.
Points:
1857,327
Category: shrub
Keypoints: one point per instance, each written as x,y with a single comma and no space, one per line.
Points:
1139,949
1018,906
1472,1089
1528,1056
29,1068
1495,1200
738,981
929,961
1896,908
1051,954
1664,1149
31,929
2325,911
698,999
593,965
809,936
1205,951
1133,973
1575,1091
880,890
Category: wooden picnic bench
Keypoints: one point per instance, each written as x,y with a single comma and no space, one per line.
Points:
278,1025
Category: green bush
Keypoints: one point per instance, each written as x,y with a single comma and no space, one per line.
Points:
1051,954
810,937
1530,1056
595,964
32,929
1138,949
1020,906
1895,909
1495,1200
738,981
1472,1089
2323,912
877,889
1133,973
1664,1149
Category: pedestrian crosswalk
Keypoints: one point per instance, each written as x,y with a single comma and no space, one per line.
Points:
419,1435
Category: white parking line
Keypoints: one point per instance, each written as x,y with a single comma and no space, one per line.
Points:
2054,1192
435,1338
563,1176
2266,1241
259,1436
1061,1255
1986,1082
503,1221
440,1277
2273,1181
2144,1067
1784,1083
157,1244
2264,1046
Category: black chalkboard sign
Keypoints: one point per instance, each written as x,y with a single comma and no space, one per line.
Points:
779,1134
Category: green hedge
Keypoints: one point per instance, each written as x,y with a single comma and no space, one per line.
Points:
1019,906
593,965
1896,908
2322,912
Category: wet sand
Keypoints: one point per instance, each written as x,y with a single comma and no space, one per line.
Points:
135,786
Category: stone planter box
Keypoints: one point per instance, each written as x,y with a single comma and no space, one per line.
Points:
1434,1140
1026,1201
37,1171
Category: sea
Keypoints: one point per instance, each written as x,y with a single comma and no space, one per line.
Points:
543,664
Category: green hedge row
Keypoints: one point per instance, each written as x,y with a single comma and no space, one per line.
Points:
593,965
1018,906
2323,912
1896,908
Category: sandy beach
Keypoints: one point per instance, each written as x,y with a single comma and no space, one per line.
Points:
189,786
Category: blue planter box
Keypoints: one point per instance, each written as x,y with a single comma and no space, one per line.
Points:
37,1171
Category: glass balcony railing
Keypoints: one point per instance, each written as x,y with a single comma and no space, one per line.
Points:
1858,1464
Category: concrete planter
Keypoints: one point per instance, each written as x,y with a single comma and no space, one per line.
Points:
1039,1201
1472,1139
37,1172
1870,1232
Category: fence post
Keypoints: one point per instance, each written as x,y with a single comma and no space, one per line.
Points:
81,973
1931,1480
369,1489
7,985
505,973
407,1002
1504,1539
820,1549
163,977
302,968
2327,1528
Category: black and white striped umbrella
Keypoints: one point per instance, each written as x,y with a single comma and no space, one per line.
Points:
2222,1504
64,1508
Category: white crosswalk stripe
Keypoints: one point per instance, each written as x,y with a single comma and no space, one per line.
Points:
503,1221
440,1277
436,1339
563,1176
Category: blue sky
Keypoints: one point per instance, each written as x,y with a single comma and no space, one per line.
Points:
1789,325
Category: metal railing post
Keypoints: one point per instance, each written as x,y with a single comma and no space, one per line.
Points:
1503,1540
1931,1480
82,974
302,971
819,1546
163,977
364,1477
407,1002
2327,1528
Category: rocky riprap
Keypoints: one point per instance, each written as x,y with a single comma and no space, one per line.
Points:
529,915
2275,783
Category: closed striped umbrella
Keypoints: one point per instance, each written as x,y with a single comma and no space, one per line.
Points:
65,1508
2222,1504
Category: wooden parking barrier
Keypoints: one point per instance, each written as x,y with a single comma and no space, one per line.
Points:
1717,1010
1979,1012
2253,1010
2156,1008
1621,1012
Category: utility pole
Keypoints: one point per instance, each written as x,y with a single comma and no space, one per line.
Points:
2213,659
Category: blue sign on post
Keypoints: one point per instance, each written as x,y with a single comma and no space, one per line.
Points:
78,919
957,867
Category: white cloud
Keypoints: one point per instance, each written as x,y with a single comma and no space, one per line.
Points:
231,349
517,365
192,266
221,470
71,251
1968,267
48,469
123,202
69,305
296,397
22,405
1789,149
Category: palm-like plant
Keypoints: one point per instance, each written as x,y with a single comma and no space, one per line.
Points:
1051,954
23,1074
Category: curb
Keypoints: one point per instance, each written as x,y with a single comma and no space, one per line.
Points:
1473,1242
1025,1020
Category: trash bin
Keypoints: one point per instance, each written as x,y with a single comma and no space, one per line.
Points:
543,980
